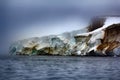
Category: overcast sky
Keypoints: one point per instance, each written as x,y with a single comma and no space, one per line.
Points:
34,18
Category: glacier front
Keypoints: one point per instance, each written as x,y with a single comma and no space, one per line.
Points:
100,38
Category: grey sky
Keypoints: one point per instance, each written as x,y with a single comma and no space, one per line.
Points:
34,18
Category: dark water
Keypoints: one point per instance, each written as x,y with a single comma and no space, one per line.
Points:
59,68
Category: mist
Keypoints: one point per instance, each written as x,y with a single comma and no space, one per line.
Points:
23,19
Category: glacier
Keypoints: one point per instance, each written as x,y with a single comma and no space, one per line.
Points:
100,38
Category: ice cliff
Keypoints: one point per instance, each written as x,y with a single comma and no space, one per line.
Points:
100,38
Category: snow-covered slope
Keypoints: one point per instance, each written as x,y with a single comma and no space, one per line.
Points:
101,37
101,41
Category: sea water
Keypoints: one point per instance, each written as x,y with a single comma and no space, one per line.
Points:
59,68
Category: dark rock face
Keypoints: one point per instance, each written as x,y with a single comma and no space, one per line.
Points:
102,40
82,38
96,23
98,39
112,33
111,38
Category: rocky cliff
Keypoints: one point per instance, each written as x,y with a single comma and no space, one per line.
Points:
100,38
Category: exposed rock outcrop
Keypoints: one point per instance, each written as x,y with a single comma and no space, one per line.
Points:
100,38
96,23
101,41
111,39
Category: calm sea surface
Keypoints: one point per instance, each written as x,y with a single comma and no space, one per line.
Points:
59,68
